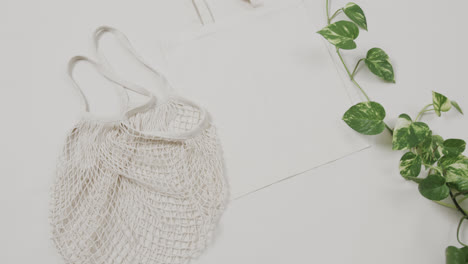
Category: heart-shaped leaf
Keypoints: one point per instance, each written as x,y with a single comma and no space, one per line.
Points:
441,103
431,149
455,170
454,147
434,188
465,252
410,165
379,64
454,255
341,34
355,13
408,134
455,104
366,118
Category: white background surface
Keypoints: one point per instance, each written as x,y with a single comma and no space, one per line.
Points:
357,210
272,90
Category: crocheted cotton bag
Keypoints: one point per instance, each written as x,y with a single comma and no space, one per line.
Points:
147,187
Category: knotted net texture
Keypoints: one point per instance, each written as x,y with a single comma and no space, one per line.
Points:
124,195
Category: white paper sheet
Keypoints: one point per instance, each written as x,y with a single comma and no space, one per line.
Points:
272,89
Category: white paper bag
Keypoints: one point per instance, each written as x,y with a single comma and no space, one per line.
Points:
272,89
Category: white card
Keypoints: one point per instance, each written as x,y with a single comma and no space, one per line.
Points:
273,92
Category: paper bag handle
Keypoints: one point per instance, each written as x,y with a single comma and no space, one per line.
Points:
204,13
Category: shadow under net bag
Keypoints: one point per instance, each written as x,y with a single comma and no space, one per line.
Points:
147,187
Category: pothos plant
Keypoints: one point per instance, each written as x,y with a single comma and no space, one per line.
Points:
442,161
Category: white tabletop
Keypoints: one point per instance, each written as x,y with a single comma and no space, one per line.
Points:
355,210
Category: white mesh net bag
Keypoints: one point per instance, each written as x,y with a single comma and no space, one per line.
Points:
146,188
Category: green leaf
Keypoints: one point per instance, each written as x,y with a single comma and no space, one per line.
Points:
454,255
355,13
410,165
379,64
465,252
366,118
408,134
341,34
441,103
431,149
455,104
434,188
454,147
455,170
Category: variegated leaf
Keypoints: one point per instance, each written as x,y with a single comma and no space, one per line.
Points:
379,64
341,34
366,118
434,188
431,149
455,104
454,147
408,134
355,13
455,169
410,165
441,103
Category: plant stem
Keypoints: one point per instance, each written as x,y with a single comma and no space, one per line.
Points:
415,179
446,204
433,168
351,77
344,64
423,111
355,68
389,129
458,231
451,206
328,13
463,199
457,205
334,15
460,193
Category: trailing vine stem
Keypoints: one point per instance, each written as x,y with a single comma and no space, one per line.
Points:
423,148
455,202
351,77
451,206
461,193
335,14
458,231
424,110
463,199
356,67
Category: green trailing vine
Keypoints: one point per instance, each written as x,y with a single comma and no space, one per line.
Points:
442,161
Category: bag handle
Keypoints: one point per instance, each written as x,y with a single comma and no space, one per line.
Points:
125,42
121,86
202,15
204,119
205,15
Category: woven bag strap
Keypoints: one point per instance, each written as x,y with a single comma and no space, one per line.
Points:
121,85
124,41
168,90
